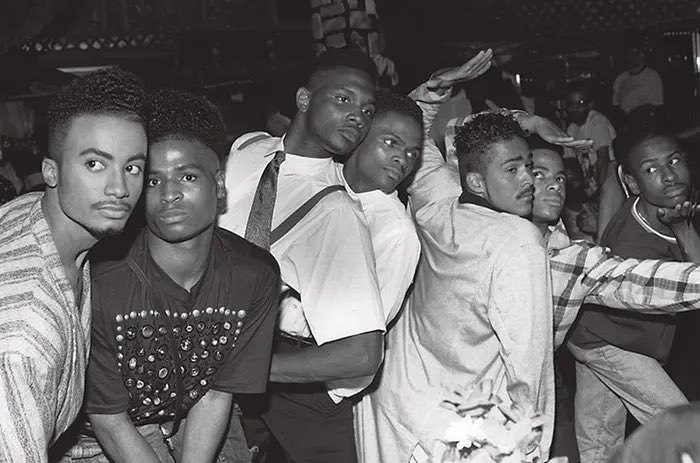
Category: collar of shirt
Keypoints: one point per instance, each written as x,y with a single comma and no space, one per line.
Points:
367,198
558,237
161,280
470,198
295,164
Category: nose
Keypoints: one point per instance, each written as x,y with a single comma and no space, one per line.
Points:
170,192
117,185
526,177
669,175
357,117
401,159
554,186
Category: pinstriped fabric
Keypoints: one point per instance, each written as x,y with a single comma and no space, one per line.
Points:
259,225
44,337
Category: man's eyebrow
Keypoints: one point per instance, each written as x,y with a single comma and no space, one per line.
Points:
109,156
516,158
672,153
100,153
138,157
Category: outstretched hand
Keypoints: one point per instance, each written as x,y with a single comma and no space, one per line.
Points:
448,77
550,132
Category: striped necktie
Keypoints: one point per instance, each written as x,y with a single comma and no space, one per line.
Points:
259,225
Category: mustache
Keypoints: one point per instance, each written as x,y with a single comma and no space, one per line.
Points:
529,191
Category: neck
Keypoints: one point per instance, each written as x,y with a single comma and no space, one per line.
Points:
637,70
298,142
542,226
72,240
354,178
649,212
184,262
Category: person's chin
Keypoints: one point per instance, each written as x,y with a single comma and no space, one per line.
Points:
106,231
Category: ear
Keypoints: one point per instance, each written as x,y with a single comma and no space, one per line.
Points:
303,99
49,170
220,179
630,182
475,183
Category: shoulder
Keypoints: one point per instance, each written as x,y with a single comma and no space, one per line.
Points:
16,219
253,141
599,118
652,73
513,231
242,251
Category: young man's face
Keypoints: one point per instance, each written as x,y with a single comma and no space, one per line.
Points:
340,110
550,186
389,152
578,105
659,172
508,178
99,172
183,188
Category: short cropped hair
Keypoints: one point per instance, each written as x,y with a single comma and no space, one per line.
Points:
108,92
335,58
179,115
388,101
627,141
477,135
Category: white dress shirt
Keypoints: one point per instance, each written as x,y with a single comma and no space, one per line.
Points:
327,257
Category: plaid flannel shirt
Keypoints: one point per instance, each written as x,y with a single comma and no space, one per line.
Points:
581,272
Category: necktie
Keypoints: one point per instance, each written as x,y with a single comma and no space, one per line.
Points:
259,225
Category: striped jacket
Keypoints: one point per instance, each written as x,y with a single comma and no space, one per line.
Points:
44,337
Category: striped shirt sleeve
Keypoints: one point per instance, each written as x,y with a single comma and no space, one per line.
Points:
26,417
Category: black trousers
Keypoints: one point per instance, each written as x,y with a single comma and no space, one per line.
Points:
302,418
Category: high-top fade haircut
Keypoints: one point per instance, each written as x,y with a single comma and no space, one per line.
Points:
477,135
109,92
627,141
388,101
179,115
336,58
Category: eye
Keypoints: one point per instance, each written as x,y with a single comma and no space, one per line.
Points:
189,177
134,169
674,161
651,170
561,180
152,182
389,142
94,165
512,170
537,174
369,112
412,154
342,98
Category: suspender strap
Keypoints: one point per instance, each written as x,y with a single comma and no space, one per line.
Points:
291,221
179,386
252,140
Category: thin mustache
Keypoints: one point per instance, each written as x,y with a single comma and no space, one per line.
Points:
526,192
